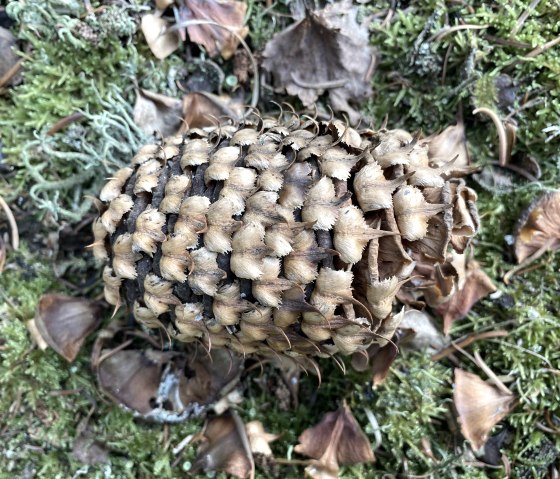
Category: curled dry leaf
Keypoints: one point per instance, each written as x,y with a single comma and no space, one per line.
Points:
64,322
539,228
477,285
229,446
164,386
424,335
326,51
377,359
223,449
337,439
161,40
201,109
214,39
480,406
155,113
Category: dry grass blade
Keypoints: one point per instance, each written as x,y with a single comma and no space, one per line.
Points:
12,223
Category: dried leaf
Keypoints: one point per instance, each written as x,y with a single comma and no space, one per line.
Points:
480,406
224,449
214,39
424,335
259,438
64,322
8,57
476,286
155,113
162,42
539,228
165,386
201,109
326,51
337,439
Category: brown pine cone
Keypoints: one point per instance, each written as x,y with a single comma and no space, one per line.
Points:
291,236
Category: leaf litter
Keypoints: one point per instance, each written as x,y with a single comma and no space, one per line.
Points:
327,51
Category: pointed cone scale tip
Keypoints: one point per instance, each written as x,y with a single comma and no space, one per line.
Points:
64,322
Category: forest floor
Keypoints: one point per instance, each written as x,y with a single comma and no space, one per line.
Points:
437,62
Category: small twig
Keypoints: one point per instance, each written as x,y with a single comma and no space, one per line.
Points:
113,351
523,17
6,77
65,392
12,223
533,53
502,136
466,342
516,169
445,62
64,122
507,42
446,31
482,365
536,255
255,93
319,85
543,48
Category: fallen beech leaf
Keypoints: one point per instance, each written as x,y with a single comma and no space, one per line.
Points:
477,285
259,438
450,143
214,39
326,51
156,113
202,109
539,228
377,359
480,406
64,322
8,57
424,335
162,42
163,386
337,439
225,448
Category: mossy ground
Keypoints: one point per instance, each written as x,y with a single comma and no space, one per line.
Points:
90,63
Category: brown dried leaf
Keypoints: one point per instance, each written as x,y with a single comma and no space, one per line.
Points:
424,335
539,228
162,42
214,39
224,449
64,322
157,113
165,386
450,143
202,109
337,439
326,51
8,57
476,286
480,406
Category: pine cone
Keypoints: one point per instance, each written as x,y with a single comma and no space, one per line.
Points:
291,236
